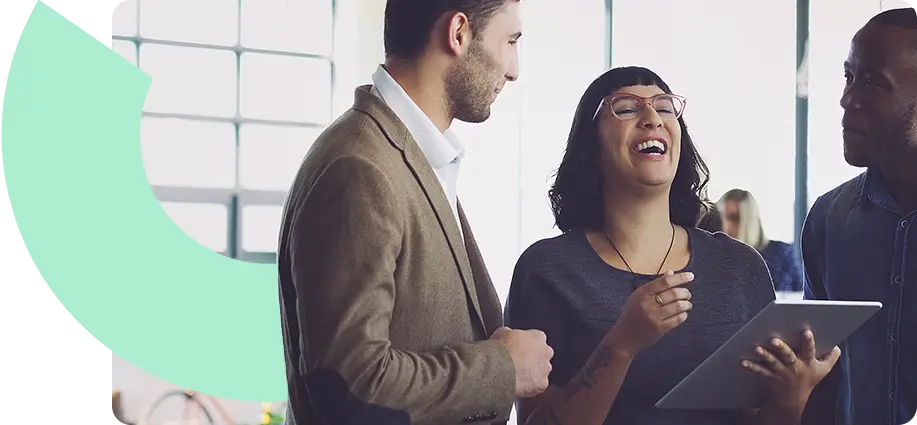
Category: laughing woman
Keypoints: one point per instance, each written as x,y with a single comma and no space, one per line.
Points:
627,198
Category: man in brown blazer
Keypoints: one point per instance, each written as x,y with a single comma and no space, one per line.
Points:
389,315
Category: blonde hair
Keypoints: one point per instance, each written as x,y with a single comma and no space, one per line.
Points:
750,229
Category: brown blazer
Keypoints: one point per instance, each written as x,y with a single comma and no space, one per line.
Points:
385,312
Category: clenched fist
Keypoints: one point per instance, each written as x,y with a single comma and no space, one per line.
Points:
531,358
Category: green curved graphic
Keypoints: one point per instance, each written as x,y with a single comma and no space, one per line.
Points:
112,256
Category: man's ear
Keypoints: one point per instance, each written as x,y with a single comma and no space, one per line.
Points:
460,36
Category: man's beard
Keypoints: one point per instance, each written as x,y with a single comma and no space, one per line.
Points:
888,142
897,153
469,91
900,141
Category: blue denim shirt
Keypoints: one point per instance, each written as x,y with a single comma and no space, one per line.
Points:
785,266
857,244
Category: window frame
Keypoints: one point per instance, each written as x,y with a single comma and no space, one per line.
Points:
237,198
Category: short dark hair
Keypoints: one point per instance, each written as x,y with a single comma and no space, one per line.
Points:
576,195
408,23
902,18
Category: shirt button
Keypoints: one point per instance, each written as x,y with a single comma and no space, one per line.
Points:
891,396
898,280
904,224
894,337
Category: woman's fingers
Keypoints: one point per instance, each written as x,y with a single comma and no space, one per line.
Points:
783,352
832,356
759,369
808,345
673,321
770,359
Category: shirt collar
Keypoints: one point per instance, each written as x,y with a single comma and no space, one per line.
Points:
439,148
872,189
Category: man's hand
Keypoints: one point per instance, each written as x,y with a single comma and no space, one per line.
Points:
531,358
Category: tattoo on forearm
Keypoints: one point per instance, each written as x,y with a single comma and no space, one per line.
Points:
586,378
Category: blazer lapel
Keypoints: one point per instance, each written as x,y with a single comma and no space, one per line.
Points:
414,157
491,308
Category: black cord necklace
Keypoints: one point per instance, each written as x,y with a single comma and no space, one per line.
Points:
671,243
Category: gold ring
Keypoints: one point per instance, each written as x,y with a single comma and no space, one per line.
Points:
659,300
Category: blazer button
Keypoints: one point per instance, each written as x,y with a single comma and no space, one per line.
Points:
897,280
470,419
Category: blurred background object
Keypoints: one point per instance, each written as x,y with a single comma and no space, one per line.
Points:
741,217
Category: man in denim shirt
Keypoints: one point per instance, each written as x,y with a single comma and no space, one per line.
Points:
859,241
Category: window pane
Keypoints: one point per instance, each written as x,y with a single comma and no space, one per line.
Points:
205,223
188,153
285,88
736,157
269,156
127,49
124,19
196,21
260,227
190,80
544,106
302,26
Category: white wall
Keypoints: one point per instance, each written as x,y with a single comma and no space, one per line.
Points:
833,24
505,180
735,62
894,4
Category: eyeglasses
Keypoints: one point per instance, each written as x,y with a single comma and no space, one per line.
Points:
628,106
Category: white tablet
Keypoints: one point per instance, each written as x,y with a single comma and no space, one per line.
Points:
720,382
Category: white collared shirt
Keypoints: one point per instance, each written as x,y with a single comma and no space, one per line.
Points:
442,149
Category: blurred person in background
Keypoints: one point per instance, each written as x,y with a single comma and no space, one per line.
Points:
633,296
742,220
712,221
388,313
859,241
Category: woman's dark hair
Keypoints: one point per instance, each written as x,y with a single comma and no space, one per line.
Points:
576,195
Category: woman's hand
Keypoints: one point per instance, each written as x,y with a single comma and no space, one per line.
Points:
792,376
651,311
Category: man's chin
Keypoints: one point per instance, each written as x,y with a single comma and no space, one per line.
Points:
856,159
855,152
474,118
